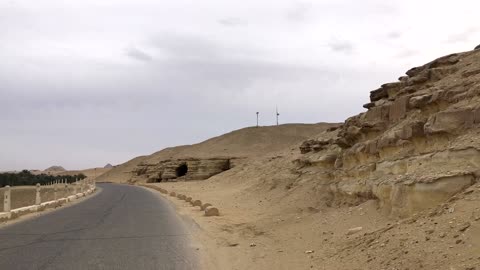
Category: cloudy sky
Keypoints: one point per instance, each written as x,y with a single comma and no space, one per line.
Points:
85,83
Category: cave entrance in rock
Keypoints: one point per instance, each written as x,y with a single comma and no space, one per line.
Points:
181,170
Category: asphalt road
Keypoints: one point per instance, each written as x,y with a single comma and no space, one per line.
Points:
121,227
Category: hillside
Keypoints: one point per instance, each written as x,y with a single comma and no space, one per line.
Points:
395,187
239,145
90,173
55,169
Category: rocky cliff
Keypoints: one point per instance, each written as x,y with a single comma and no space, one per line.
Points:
184,169
416,145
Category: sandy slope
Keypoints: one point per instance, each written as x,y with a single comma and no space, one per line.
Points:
273,218
243,143
272,223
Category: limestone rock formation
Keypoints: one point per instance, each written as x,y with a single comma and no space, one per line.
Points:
186,169
417,144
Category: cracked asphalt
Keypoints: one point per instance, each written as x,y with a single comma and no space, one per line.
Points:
121,227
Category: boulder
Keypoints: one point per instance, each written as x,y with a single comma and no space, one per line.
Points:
369,105
205,205
450,121
378,94
313,146
211,211
354,230
419,101
197,203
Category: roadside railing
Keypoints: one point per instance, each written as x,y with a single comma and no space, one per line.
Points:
21,200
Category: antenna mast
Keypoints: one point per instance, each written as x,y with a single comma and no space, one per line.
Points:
277,114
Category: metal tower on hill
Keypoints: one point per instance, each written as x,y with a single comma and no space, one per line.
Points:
277,114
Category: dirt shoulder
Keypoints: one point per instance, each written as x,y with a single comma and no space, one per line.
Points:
256,231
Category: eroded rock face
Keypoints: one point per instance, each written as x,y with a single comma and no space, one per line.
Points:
417,144
184,169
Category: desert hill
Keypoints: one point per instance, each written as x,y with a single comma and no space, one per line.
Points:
237,145
90,173
394,187
55,169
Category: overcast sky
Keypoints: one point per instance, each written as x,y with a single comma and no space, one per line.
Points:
85,83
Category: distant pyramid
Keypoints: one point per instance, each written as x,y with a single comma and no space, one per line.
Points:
55,169
108,166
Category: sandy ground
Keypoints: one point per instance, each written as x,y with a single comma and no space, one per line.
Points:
274,216
263,228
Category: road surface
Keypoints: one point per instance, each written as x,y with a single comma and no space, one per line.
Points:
121,227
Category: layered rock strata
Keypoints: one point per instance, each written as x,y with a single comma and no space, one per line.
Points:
417,144
182,169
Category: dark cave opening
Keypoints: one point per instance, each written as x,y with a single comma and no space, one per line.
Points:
181,170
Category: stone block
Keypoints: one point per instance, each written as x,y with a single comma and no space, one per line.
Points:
450,121
197,203
398,109
211,211
205,205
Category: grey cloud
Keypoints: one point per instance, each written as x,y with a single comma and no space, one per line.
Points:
299,11
217,63
463,36
232,21
72,94
406,53
341,46
183,46
394,35
138,54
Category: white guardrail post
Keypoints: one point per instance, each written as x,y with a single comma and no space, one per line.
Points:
38,199
55,190
65,188
6,199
